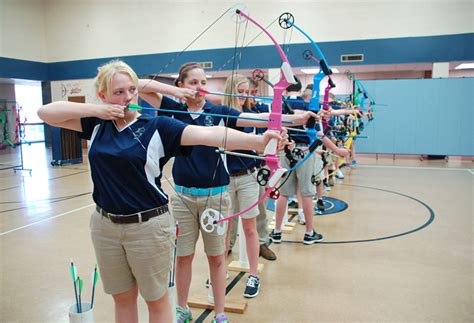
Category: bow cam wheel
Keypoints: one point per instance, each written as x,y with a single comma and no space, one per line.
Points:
263,176
208,221
275,194
234,13
307,54
258,74
298,153
286,20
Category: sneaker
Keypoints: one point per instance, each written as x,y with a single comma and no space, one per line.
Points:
301,219
267,253
275,237
320,205
253,287
354,164
293,205
183,315
221,318
312,238
339,174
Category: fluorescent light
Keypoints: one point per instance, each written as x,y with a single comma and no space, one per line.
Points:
310,70
176,75
465,66
316,70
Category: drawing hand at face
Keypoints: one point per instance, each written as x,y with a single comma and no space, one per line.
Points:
110,112
184,93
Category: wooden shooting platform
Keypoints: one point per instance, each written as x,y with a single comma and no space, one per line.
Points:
287,228
231,305
237,266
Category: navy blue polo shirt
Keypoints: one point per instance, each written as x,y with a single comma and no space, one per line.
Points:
238,164
260,108
126,165
203,168
298,137
330,125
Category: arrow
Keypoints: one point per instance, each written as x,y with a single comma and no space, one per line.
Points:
137,107
95,277
73,275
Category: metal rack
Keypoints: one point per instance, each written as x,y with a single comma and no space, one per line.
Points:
17,109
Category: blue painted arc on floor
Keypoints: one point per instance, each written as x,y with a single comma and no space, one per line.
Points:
332,205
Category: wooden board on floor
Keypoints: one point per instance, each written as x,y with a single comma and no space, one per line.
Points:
287,224
236,266
231,305
284,229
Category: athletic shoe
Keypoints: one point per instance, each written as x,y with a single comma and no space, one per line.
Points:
312,238
221,318
320,205
253,287
339,174
183,315
275,237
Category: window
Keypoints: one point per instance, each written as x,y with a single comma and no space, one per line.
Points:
29,98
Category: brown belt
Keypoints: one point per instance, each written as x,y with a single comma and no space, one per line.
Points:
133,218
244,172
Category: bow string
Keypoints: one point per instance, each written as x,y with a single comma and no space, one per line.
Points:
271,176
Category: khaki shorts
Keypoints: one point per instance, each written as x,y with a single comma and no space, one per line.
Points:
318,173
134,254
243,192
187,210
300,176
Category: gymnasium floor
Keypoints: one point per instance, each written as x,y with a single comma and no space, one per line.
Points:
402,251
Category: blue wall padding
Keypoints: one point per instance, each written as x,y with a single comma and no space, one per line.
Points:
422,117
